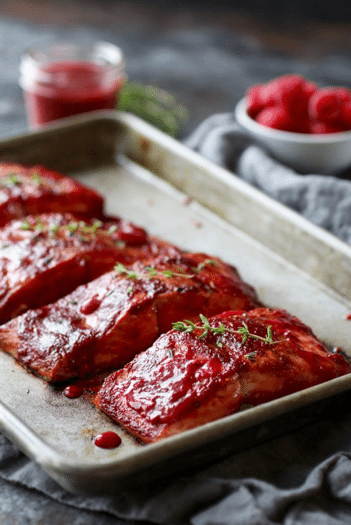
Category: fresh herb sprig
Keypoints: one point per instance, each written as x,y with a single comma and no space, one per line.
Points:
201,265
189,327
154,105
11,180
153,272
150,272
72,227
130,274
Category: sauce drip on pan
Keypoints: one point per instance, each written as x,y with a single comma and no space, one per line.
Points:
107,440
72,391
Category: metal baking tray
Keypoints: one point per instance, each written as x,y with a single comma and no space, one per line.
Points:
174,193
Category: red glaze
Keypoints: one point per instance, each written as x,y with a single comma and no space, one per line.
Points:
82,90
33,190
72,391
105,323
45,257
183,381
107,440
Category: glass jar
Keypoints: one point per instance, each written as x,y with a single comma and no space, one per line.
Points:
61,79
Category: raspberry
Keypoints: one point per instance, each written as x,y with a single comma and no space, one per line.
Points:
301,125
292,103
346,114
293,93
254,100
319,128
343,94
310,87
275,117
325,105
269,93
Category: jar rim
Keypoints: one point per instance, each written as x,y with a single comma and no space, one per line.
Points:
32,67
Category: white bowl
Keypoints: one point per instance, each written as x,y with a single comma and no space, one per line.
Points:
326,153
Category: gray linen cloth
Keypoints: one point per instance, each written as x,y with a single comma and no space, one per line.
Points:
301,478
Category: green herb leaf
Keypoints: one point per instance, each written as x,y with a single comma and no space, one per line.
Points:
25,226
184,326
112,229
202,265
53,229
269,336
131,274
205,325
37,179
152,271
154,105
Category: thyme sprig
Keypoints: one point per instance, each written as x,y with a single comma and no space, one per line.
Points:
130,274
189,327
150,272
11,180
83,227
72,227
154,105
36,178
153,272
201,266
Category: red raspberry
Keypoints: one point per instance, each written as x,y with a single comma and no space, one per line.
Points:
319,128
343,94
292,103
325,105
293,93
254,100
310,87
269,93
275,117
346,114
301,125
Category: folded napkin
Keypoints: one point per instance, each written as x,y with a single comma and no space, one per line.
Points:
302,478
324,200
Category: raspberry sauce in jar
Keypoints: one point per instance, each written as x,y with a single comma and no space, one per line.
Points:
65,79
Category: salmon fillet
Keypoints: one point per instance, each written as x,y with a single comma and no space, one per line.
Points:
45,257
103,324
196,374
33,190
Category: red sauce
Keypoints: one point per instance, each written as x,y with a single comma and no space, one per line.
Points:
348,317
107,440
71,88
72,391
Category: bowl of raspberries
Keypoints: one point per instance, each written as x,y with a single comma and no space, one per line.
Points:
303,125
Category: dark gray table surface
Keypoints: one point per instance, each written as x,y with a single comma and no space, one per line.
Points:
207,57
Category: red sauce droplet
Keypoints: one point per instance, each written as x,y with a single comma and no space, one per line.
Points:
107,440
348,317
72,391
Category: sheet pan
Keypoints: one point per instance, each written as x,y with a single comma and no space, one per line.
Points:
158,183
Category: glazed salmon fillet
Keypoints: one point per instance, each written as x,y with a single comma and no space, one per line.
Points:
34,190
45,257
103,324
199,373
